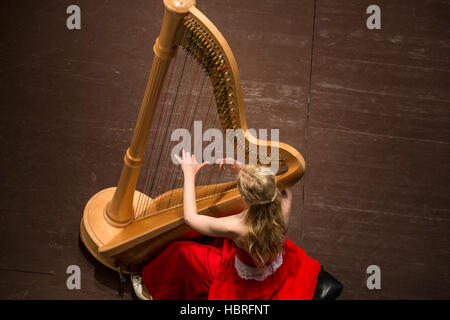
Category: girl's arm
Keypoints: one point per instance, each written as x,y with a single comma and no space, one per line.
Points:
286,203
210,226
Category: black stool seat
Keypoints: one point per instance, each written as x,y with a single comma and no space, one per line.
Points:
327,287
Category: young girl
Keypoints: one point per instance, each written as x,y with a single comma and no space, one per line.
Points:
250,257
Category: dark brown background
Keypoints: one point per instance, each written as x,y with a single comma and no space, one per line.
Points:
368,109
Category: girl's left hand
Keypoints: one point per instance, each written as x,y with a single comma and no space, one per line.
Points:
235,165
188,163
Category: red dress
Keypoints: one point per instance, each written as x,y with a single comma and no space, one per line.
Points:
222,271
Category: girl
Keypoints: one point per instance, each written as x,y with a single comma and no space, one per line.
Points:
250,257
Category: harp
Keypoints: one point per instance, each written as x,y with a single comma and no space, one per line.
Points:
124,226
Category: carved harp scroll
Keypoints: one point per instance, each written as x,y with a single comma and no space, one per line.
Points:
124,226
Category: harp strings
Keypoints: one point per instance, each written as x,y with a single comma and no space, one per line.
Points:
188,96
174,178
163,114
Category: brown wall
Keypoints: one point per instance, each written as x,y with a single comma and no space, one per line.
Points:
368,109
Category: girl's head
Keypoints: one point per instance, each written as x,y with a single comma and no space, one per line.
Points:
258,186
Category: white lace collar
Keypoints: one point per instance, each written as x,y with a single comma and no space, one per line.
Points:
259,274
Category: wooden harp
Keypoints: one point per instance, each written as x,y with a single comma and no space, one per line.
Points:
123,227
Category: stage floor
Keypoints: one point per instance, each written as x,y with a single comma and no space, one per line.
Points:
368,110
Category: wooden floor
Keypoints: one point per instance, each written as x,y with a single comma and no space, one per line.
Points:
368,109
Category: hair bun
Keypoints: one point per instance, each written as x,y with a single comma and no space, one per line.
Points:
266,201
266,170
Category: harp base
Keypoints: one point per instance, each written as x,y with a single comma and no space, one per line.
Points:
96,231
93,249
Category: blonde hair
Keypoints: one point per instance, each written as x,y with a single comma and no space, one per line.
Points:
264,239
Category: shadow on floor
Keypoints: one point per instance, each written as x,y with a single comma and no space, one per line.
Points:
107,277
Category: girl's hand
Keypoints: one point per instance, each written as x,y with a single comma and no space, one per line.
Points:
235,165
189,164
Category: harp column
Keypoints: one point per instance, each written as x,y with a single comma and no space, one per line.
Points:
119,211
